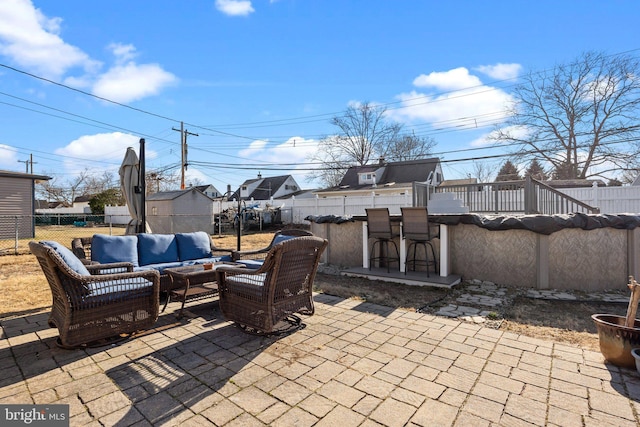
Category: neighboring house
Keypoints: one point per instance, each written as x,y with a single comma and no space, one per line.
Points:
179,211
209,190
83,203
17,204
386,178
266,188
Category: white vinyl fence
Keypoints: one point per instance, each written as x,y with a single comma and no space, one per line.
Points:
610,200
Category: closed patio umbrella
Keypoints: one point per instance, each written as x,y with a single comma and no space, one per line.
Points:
132,191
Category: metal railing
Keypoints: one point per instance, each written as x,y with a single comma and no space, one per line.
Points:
528,196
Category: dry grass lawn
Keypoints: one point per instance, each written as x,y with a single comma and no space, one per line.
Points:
25,290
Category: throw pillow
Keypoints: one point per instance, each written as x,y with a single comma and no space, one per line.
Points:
106,249
68,257
157,248
194,245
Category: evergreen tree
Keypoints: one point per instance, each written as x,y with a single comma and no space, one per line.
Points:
508,172
535,171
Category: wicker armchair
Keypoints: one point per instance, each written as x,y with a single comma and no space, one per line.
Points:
93,308
259,254
260,300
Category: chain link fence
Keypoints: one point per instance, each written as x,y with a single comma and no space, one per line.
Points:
17,231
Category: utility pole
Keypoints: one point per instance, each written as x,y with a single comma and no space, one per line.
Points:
183,150
28,162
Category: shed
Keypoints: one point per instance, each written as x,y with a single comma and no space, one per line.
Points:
180,211
17,204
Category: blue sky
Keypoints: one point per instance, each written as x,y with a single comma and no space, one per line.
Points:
259,80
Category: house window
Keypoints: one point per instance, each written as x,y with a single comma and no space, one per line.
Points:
366,178
244,188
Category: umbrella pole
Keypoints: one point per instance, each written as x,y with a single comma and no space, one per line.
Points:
143,189
239,221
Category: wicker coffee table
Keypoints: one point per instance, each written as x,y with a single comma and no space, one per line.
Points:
193,282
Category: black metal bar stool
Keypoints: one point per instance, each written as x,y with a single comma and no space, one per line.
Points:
415,227
379,228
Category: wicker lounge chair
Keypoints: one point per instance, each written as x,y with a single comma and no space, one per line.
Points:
280,236
89,307
262,300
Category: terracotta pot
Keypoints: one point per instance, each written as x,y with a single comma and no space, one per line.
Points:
616,340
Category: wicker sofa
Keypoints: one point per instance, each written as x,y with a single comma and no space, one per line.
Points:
149,251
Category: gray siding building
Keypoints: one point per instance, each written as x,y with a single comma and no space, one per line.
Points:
17,204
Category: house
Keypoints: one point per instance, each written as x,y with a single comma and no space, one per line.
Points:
209,190
266,188
386,178
179,211
17,202
83,203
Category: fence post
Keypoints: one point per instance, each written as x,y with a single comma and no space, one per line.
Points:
594,186
15,249
293,209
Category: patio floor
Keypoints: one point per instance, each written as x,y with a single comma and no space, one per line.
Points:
354,364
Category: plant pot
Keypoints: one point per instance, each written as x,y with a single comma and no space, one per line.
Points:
616,340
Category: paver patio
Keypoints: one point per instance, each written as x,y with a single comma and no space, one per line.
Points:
354,364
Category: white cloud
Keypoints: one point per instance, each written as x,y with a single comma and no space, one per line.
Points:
130,82
122,52
235,7
453,98
295,150
32,41
501,71
102,146
256,147
8,157
486,139
456,79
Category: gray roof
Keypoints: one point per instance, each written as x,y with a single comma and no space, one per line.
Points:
395,173
10,174
267,188
171,195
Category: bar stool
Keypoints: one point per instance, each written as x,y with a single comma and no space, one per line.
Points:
415,227
379,228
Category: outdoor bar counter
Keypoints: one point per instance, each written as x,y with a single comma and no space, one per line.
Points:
573,251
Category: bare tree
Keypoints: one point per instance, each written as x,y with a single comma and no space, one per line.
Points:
54,190
363,134
409,147
581,118
162,180
482,171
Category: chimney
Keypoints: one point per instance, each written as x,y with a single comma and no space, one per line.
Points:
259,175
381,161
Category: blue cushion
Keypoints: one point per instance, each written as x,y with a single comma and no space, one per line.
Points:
281,238
106,249
160,266
157,248
68,257
116,291
193,245
253,264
